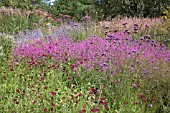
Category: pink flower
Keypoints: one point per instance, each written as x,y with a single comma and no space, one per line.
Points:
154,99
93,110
84,110
143,96
80,95
45,109
90,93
45,71
93,90
77,101
102,98
53,93
106,107
104,103
144,100
113,82
97,109
138,85
53,104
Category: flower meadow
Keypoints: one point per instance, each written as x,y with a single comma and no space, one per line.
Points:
86,68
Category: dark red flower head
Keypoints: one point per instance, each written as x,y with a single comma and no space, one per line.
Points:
53,104
84,110
143,96
106,107
45,109
102,98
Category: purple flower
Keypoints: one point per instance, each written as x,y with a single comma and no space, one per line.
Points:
147,90
87,17
150,105
110,35
133,85
126,30
141,38
115,30
95,51
125,23
156,68
163,45
147,36
135,28
106,26
98,91
147,26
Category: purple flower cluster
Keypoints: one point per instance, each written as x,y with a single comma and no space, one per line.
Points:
113,52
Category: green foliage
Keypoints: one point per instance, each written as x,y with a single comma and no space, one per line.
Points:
5,48
10,24
15,20
22,4
74,8
167,13
15,23
96,9
139,8
163,32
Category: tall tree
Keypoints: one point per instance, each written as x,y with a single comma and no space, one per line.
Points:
139,8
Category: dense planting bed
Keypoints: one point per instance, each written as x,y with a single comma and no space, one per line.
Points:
89,67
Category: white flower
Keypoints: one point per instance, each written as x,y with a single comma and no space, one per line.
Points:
1,54
0,47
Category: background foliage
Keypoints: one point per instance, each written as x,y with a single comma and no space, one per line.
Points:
99,9
139,8
22,4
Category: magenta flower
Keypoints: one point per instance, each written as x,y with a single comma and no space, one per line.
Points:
143,96
53,93
95,110
53,104
102,98
45,109
93,90
106,107
154,99
80,95
84,110
104,103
